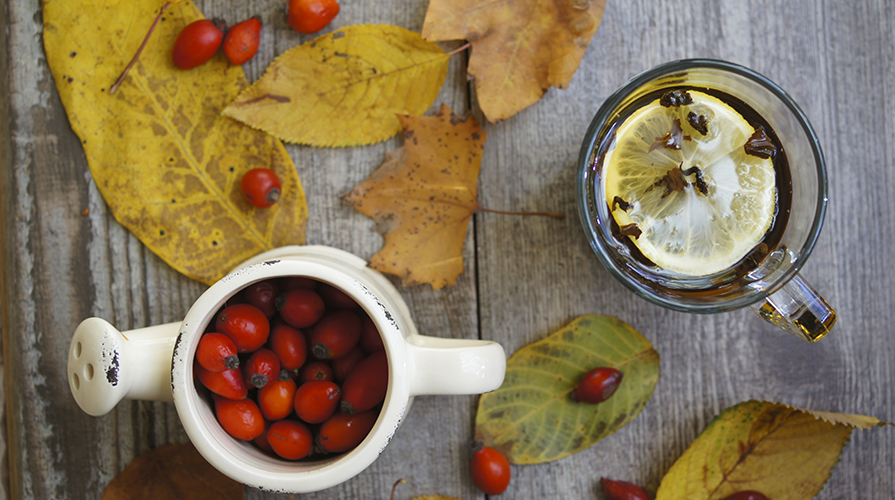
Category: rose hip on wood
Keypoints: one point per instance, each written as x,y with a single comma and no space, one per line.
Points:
311,16
489,469
242,40
621,490
197,43
597,385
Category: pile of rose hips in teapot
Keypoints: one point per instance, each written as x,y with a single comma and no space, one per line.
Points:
295,366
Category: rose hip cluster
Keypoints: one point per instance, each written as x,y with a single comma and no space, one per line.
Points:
295,366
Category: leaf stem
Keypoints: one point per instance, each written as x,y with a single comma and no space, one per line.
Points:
395,486
555,215
139,50
461,49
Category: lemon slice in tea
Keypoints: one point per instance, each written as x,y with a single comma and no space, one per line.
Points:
682,186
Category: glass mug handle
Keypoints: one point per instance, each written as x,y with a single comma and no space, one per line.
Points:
799,310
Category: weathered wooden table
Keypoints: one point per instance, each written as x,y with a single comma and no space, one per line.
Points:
524,276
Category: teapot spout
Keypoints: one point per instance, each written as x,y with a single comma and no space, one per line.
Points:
106,366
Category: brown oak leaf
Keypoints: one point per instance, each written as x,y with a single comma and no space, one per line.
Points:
172,471
520,48
423,197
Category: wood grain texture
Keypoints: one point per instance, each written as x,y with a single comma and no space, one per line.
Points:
524,276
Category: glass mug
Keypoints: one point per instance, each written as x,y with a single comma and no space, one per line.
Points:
766,279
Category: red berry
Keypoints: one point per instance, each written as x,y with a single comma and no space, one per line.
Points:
262,295
342,431
342,366
747,495
311,16
289,344
261,441
216,352
300,307
261,187
370,339
246,326
621,490
335,298
228,383
490,470
241,41
290,439
315,370
317,400
335,335
366,385
277,398
241,419
597,385
262,368
197,43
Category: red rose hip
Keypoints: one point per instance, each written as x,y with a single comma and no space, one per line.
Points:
597,385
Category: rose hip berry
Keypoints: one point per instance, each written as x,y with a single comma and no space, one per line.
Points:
262,296
277,398
311,16
366,385
241,419
228,383
261,187
621,490
342,432
597,385
262,368
289,344
290,439
335,334
316,370
241,41
246,326
342,366
216,352
317,400
197,43
300,307
490,470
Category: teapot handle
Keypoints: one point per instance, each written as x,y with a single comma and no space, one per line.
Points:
106,366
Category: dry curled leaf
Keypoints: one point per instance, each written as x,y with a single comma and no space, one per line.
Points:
172,471
786,453
345,88
520,48
163,158
423,196
532,418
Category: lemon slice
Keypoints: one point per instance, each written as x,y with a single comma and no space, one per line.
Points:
682,187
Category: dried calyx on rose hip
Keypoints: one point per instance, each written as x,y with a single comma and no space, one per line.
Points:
747,495
597,385
621,490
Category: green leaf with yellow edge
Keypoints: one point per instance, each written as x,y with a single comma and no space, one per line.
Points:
165,161
532,418
786,453
345,88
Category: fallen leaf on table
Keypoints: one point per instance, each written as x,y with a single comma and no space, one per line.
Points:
532,418
786,453
345,88
166,162
172,471
520,48
423,196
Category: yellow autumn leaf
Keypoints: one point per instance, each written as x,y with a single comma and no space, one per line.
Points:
163,158
345,88
786,453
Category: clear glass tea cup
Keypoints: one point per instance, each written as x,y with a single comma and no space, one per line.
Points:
767,281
